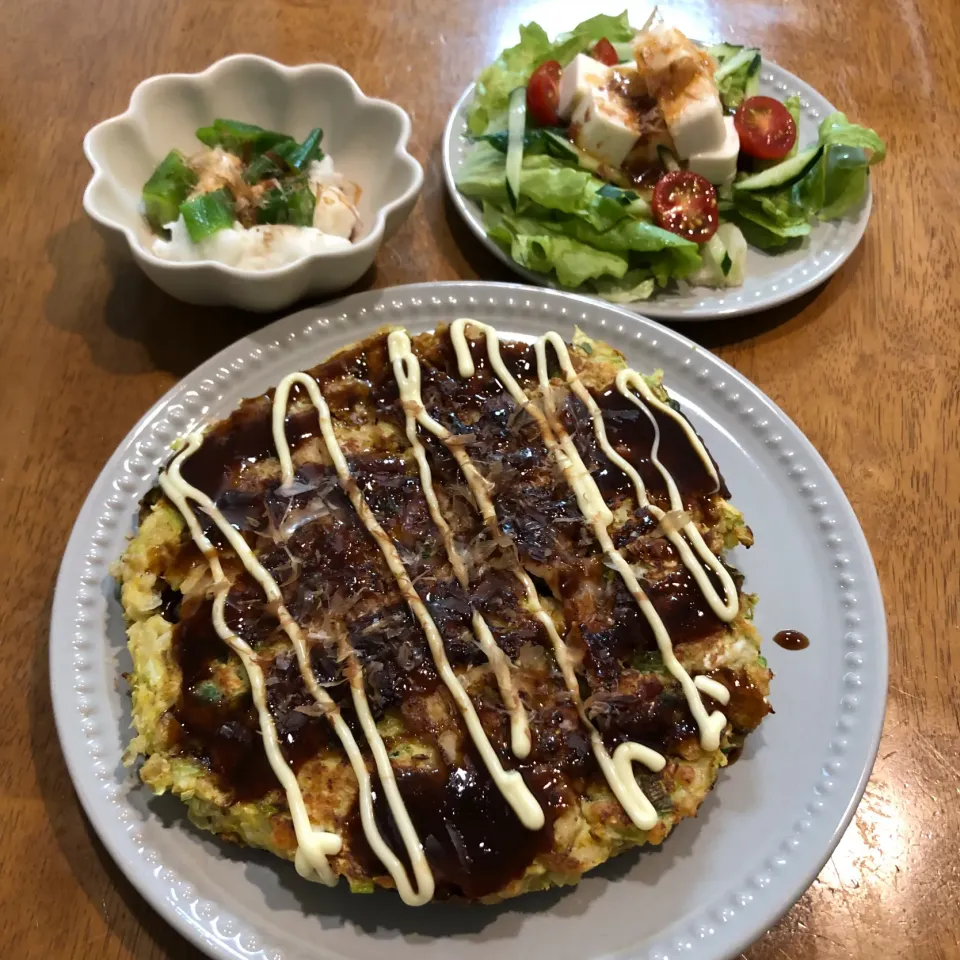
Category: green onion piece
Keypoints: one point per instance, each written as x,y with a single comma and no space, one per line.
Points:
243,139
169,185
298,156
264,167
209,691
648,661
292,202
208,213
302,203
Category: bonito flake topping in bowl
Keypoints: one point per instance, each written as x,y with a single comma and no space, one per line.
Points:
254,199
447,613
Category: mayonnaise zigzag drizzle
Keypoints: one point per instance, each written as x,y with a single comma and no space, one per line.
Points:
406,370
315,846
726,609
509,782
631,798
591,502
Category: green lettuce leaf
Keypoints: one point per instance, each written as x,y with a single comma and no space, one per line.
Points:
777,211
584,35
534,246
648,252
572,225
793,108
736,83
553,184
514,66
837,129
834,187
634,285
546,181
838,183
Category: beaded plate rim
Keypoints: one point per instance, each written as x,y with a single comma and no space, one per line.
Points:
92,742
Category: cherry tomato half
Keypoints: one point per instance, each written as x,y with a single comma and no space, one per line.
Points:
604,52
686,204
765,128
543,93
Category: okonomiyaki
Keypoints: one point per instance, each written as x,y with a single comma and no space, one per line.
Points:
448,613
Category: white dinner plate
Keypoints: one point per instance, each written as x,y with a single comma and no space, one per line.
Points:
719,881
771,278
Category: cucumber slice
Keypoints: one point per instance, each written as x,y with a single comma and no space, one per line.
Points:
736,252
516,122
563,145
784,174
568,150
713,253
723,259
722,52
624,50
668,160
752,87
747,55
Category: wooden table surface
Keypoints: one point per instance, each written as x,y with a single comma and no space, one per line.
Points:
868,366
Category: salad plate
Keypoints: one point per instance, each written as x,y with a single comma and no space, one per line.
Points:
797,784
771,276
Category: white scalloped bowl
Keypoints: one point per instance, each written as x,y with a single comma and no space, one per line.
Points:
366,137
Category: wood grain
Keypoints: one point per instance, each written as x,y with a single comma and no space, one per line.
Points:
868,366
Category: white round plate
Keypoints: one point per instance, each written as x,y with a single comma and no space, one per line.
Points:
771,278
717,883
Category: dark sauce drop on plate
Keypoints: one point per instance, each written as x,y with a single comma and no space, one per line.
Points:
791,640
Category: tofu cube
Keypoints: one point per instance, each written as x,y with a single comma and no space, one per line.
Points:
605,126
695,120
680,76
719,165
581,75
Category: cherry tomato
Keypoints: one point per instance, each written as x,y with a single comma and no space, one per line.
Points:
605,52
686,204
543,93
765,128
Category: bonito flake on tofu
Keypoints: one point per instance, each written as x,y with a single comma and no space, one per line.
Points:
448,613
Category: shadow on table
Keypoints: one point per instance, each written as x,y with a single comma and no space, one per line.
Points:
788,317
145,934
133,315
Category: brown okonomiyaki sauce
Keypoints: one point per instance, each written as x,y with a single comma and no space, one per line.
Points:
223,732
474,842
791,640
631,434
